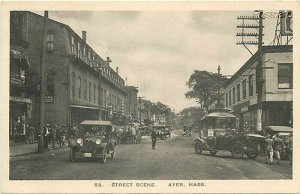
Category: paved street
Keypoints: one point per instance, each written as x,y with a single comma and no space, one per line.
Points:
174,158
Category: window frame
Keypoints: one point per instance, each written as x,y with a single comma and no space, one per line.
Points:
50,42
290,76
250,85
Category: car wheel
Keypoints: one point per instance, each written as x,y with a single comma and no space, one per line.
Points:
252,153
213,152
72,155
237,151
198,147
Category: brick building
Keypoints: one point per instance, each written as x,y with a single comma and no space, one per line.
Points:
75,75
131,103
240,92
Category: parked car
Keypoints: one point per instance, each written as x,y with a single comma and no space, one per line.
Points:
284,133
219,133
167,130
95,141
187,131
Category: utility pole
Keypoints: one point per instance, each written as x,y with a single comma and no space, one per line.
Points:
218,82
140,111
259,67
42,85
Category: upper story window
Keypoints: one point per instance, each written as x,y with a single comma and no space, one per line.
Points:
79,87
72,45
285,75
226,99
73,84
85,89
238,92
90,92
229,98
244,89
78,49
84,51
250,85
233,95
50,42
50,83
94,88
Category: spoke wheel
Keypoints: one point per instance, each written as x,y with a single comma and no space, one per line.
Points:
198,147
237,151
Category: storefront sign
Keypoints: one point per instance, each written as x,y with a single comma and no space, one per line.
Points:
48,99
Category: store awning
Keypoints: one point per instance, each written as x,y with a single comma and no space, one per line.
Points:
95,122
20,100
279,128
86,107
218,115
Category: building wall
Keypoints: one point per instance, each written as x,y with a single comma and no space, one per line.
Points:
131,103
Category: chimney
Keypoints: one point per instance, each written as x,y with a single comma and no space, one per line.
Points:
84,36
117,70
46,14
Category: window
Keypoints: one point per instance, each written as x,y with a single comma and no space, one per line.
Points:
78,49
73,84
85,89
250,85
79,88
244,89
229,97
72,45
90,92
233,95
84,51
238,92
50,83
285,76
226,99
50,42
94,88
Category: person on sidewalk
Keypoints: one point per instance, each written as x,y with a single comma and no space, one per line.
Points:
278,146
61,136
53,136
153,138
46,135
269,149
30,133
290,150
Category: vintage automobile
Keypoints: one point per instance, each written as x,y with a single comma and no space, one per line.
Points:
145,131
284,133
159,128
167,130
219,133
187,131
94,141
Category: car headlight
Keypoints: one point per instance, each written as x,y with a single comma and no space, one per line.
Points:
98,141
79,141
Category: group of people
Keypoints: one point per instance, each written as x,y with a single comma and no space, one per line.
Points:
52,135
275,146
30,133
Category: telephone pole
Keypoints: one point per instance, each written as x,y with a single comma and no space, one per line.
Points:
258,34
42,85
218,82
140,111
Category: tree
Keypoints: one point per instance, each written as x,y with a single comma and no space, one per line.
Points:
191,116
204,87
160,111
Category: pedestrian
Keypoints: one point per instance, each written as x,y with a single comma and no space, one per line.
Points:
61,136
269,149
290,150
27,136
153,138
53,136
31,132
278,146
46,135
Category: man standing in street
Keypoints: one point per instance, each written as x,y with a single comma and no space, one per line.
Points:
153,138
269,149
46,135
278,146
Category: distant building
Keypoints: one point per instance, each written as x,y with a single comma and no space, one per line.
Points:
240,92
146,111
131,103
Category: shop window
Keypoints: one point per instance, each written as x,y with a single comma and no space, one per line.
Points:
50,42
79,87
250,85
73,84
285,76
244,89
238,92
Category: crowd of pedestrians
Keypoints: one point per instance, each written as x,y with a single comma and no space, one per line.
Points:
275,146
53,135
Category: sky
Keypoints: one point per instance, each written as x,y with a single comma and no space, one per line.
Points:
157,51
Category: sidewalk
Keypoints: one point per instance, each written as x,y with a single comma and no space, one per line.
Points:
24,149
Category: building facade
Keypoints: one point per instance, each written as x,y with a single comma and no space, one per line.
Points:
240,92
75,75
131,103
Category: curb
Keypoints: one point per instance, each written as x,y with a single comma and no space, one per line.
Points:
36,152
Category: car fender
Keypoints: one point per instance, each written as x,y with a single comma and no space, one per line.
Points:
201,140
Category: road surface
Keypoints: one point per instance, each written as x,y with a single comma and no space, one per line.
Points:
173,158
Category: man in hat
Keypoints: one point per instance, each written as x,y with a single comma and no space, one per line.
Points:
269,149
46,135
153,138
278,146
